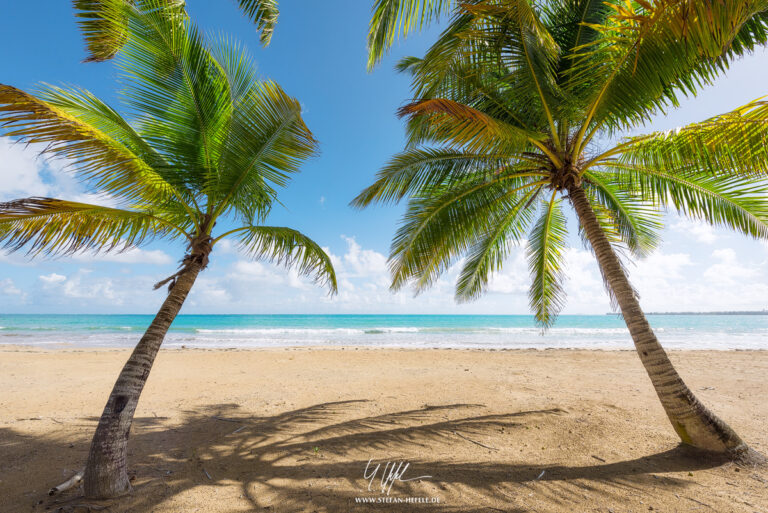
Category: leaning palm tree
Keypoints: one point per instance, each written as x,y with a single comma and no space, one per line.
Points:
525,103
104,28
207,142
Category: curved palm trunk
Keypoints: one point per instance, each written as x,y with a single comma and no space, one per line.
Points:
106,473
693,422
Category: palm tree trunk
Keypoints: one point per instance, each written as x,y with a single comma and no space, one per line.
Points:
106,473
693,422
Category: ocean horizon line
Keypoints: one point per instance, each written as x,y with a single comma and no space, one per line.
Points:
597,331
284,314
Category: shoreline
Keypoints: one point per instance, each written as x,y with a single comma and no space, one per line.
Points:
73,347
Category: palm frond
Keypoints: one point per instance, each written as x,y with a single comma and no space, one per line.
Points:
546,260
103,22
103,25
492,247
462,126
237,66
175,86
292,249
264,14
650,53
393,18
442,225
266,141
102,147
418,170
734,142
55,227
637,223
499,59
736,202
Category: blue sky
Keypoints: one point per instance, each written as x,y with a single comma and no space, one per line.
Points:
318,55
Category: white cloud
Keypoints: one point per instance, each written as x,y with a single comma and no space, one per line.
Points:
53,278
659,268
79,286
226,247
359,262
667,280
101,289
728,270
513,278
8,287
255,271
130,256
24,172
20,171
698,230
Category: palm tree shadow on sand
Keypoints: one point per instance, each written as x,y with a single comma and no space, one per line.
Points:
313,459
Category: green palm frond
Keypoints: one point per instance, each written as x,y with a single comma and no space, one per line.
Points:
75,126
736,141
393,18
529,53
53,227
103,23
237,67
292,249
492,247
636,223
737,202
418,170
709,27
175,86
436,72
264,14
442,225
266,141
507,45
649,53
546,255
99,22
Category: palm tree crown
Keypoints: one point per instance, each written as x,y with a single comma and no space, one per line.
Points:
517,95
207,140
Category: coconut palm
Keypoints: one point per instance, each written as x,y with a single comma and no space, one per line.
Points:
518,112
207,142
104,26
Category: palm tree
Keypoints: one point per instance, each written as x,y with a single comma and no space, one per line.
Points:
524,103
104,26
208,141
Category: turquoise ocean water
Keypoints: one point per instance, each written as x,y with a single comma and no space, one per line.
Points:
410,331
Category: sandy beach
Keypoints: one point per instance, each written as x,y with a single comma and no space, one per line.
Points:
292,430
